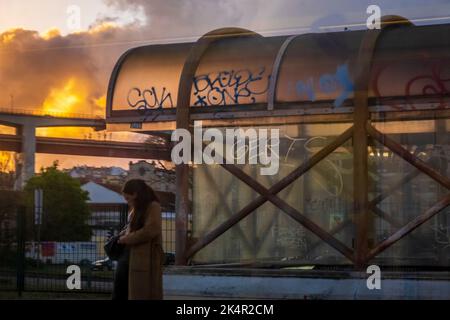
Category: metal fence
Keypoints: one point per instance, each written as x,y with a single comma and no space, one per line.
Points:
29,264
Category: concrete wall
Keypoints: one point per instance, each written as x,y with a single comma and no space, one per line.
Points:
302,287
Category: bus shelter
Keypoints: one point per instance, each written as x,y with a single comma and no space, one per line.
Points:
363,153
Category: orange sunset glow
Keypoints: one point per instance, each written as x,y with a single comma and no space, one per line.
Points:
6,161
70,100
62,81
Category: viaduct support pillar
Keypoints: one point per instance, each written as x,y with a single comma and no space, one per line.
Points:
25,160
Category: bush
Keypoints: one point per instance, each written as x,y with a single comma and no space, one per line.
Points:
8,257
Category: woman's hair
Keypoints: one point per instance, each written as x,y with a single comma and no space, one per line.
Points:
144,196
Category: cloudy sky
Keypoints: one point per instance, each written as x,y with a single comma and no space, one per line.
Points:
45,56
175,18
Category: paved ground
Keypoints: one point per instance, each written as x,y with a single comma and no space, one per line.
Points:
70,296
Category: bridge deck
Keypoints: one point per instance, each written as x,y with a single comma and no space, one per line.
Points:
83,147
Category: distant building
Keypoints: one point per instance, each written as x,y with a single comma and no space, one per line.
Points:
105,175
160,179
101,194
106,208
104,203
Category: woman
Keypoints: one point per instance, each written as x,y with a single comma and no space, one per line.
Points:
143,257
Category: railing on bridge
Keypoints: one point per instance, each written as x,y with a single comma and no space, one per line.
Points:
40,113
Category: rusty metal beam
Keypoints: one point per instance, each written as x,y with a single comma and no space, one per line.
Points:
332,232
271,93
296,113
410,176
223,227
183,122
360,144
98,148
225,204
409,227
289,210
407,156
277,187
367,49
395,223
377,211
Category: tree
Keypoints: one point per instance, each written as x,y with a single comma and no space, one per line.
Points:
6,180
65,210
6,170
9,203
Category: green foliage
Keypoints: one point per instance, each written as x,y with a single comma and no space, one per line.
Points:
6,180
65,210
9,203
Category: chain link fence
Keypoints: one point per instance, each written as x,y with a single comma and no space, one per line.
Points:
28,264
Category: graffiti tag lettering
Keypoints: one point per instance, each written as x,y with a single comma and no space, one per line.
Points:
149,99
435,82
229,87
339,82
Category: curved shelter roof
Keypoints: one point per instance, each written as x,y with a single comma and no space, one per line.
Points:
248,76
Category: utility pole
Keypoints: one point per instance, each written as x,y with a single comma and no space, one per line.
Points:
38,205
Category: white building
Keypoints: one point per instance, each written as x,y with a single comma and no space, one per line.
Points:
99,194
106,208
159,179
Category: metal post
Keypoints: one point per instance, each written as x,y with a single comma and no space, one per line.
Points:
360,184
20,270
38,205
441,140
183,122
362,220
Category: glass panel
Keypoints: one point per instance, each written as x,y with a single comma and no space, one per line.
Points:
317,67
235,72
217,195
149,77
232,71
408,65
323,195
267,237
428,244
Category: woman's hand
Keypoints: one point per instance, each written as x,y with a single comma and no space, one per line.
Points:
122,239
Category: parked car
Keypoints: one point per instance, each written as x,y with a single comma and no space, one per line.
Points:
55,252
104,264
108,264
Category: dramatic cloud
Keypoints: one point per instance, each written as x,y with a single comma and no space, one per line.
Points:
34,67
36,70
192,18
188,18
